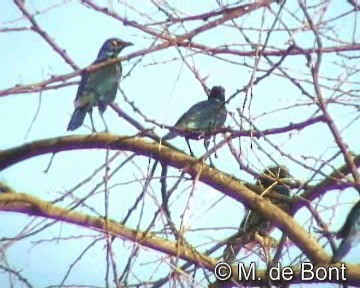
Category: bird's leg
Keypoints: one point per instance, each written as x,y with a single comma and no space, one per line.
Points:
92,121
206,145
188,143
214,138
103,119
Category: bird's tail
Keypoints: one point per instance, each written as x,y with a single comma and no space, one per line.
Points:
77,119
343,249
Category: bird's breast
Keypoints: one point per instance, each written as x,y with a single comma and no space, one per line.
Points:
108,79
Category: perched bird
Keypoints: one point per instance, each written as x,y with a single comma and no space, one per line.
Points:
350,232
253,222
202,118
269,176
98,88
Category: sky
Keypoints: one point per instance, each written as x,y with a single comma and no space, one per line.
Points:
162,87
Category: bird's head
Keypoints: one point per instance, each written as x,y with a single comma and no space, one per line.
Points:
276,172
112,47
217,93
280,172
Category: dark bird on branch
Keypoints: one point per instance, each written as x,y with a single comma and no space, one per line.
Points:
98,88
272,178
201,119
350,233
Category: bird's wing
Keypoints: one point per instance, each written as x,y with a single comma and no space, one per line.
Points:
190,117
342,250
200,117
81,99
352,219
94,84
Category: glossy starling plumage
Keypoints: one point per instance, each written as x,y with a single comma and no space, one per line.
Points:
98,88
265,180
350,233
202,118
254,222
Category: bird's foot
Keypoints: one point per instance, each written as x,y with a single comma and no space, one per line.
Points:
106,128
212,163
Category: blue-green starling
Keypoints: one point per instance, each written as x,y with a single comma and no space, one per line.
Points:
350,232
253,222
202,118
98,88
269,176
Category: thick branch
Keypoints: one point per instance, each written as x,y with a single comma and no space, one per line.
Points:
12,201
23,203
214,178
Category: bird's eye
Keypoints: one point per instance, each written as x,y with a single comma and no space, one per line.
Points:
115,43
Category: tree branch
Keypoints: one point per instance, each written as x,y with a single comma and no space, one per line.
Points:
220,181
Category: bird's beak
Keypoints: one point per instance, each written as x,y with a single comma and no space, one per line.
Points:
128,44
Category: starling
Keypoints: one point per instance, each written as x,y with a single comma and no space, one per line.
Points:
265,180
253,222
202,118
350,233
98,88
